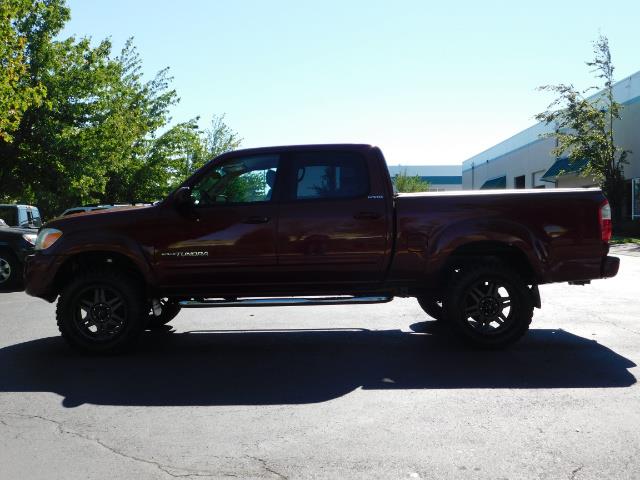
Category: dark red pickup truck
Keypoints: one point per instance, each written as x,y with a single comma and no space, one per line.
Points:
314,225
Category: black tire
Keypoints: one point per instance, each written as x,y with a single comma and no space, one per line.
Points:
10,269
489,306
101,312
169,311
432,307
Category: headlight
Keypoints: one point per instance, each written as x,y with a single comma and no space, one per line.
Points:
47,237
30,237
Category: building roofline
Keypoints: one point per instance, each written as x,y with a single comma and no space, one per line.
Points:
626,91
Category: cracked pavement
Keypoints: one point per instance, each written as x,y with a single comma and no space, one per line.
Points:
329,392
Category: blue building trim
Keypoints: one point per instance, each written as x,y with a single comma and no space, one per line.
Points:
443,179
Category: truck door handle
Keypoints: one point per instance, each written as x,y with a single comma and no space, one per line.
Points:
367,215
256,219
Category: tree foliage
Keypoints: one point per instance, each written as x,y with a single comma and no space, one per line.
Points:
99,132
585,126
405,183
16,93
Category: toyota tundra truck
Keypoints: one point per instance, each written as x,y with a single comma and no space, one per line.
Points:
317,225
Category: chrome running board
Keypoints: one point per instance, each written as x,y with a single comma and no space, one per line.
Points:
283,302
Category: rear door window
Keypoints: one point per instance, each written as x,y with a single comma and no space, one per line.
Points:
328,175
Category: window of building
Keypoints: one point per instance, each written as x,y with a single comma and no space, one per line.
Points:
518,182
635,198
536,179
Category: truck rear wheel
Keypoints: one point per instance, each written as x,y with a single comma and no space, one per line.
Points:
489,306
101,312
169,311
431,306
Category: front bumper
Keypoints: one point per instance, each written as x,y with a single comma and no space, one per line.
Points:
39,274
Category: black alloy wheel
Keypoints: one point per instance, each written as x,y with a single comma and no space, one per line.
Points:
489,305
101,311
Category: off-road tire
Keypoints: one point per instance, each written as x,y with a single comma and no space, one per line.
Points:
123,300
169,311
470,305
11,266
431,307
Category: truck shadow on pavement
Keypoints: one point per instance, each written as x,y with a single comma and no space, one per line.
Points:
302,366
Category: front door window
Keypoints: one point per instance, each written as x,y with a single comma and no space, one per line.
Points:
241,180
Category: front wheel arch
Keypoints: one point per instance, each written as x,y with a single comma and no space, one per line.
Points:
97,260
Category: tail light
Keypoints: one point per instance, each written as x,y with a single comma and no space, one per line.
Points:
604,215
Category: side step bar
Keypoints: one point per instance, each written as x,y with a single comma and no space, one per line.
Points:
283,302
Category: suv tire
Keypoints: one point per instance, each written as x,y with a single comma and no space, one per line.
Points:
101,312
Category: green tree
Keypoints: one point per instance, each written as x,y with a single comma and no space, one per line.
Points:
405,183
584,127
96,136
172,157
17,93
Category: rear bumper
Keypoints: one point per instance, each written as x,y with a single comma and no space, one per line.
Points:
39,274
610,266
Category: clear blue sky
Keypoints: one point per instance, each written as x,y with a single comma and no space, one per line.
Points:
428,82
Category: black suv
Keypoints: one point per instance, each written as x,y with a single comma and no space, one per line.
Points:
15,245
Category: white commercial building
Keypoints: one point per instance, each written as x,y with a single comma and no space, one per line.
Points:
526,159
440,177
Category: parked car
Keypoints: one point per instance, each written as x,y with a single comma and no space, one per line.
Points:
317,225
24,216
74,210
15,245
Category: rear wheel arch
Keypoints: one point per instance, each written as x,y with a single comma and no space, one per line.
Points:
472,253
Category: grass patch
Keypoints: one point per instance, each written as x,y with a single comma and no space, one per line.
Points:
618,240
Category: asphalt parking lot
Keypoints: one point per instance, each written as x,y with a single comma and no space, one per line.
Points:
330,392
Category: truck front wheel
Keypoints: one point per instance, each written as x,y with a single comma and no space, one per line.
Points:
489,306
101,312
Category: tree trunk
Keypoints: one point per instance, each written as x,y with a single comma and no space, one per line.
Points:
613,189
